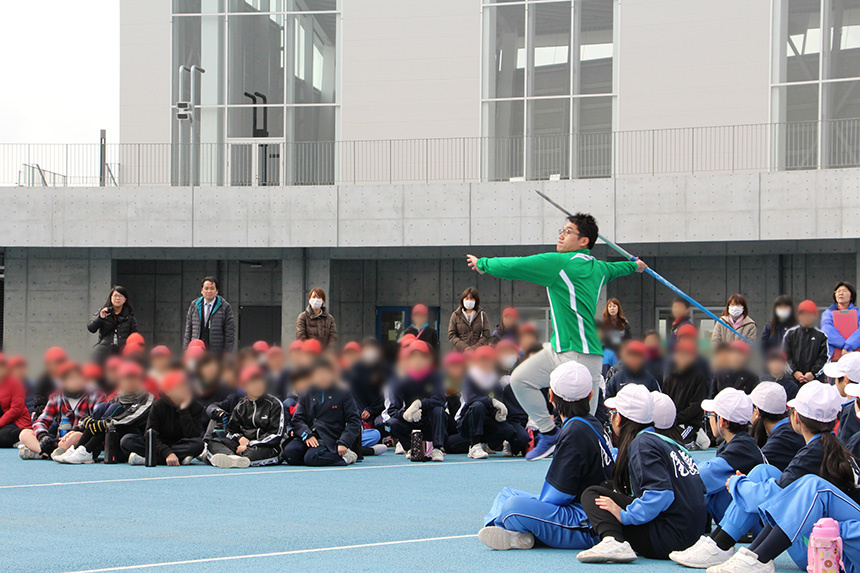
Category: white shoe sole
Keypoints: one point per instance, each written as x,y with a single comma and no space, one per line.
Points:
501,539
604,558
695,565
544,455
26,453
225,461
56,456
136,460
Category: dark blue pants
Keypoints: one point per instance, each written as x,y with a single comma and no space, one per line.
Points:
433,424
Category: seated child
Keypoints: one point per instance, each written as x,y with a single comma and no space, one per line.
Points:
777,371
633,370
255,429
508,360
482,416
126,412
14,415
174,420
665,417
771,428
846,373
735,374
326,422
72,402
729,414
582,459
454,369
687,385
416,401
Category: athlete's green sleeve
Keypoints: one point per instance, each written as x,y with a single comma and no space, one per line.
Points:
619,269
540,269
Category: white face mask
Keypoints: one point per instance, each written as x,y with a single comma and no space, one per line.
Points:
369,355
482,379
316,303
468,304
508,361
783,313
736,311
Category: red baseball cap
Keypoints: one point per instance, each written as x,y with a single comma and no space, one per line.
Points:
193,352
740,346
130,369
249,373
2,358
408,339
484,353
510,311
419,346
67,368
295,346
506,343
261,346
130,349
17,360
160,350
312,346
636,347
113,363
687,330
275,351
807,306
55,354
419,309
197,343
685,345
352,346
171,380
454,358
135,338
91,371
528,327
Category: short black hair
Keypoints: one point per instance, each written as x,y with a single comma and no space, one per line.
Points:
587,227
212,280
851,288
571,409
682,300
322,362
737,428
300,373
652,332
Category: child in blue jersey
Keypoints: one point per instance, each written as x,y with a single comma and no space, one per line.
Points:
656,504
814,415
729,414
771,428
582,458
846,373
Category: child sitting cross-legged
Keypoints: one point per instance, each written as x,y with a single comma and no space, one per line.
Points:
174,420
582,459
255,429
325,423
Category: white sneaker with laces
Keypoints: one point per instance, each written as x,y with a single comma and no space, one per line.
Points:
608,551
59,453
501,539
349,457
399,449
186,461
228,461
437,455
703,554
744,561
26,453
477,452
62,458
136,459
78,455
507,450
379,449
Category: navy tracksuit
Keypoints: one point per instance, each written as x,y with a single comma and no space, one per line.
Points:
401,393
782,445
740,454
332,417
624,377
476,418
849,423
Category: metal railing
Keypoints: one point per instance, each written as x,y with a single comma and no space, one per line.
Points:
725,149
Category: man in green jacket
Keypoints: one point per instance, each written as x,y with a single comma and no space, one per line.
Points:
573,280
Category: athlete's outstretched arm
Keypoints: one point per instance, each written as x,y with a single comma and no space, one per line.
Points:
540,269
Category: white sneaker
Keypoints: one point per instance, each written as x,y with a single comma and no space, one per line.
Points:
186,461
77,456
507,450
398,449
744,561
501,539
477,452
703,442
349,457
58,453
608,551
703,554
26,453
136,459
227,461
437,455
204,457
379,449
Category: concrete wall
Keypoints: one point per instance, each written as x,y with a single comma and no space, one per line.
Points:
672,209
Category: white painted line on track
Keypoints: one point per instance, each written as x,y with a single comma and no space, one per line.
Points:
242,472
274,554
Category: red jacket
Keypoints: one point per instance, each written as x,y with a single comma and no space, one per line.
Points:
12,404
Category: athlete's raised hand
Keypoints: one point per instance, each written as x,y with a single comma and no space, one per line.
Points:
472,261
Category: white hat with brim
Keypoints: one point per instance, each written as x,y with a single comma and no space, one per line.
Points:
732,405
664,411
634,402
817,401
571,381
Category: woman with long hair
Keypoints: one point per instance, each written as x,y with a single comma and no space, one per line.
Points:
781,320
736,314
316,322
469,326
615,325
656,504
114,322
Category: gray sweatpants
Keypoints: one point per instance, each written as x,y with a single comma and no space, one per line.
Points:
531,376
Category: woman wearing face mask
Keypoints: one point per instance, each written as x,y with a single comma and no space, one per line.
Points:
314,322
736,314
841,321
783,319
469,326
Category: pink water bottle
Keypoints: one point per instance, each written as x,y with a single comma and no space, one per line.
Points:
825,547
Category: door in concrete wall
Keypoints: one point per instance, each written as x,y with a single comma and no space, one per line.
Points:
259,323
391,321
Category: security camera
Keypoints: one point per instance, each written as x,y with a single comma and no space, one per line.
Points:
183,115
184,105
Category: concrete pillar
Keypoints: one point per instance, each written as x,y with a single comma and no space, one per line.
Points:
292,295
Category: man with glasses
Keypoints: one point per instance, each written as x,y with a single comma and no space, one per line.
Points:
573,280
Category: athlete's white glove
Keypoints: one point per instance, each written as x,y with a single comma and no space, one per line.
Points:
413,412
501,411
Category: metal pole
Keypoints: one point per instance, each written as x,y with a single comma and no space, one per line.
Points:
196,72
102,158
181,163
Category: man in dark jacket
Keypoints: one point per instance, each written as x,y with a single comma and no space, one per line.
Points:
325,424
805,346
210,318
632,371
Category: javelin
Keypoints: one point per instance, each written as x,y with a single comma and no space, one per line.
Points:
651,272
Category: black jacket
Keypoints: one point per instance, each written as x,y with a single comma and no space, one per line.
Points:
687,388
624,377
726,378
222,325
134,416
786,381
331,416
806,350
366,382
401,392
260,420
428,334
123,324
772,337
170,424
228,404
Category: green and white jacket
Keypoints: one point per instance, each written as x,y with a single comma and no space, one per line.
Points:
573,283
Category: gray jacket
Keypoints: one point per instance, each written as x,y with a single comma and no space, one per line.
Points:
222,325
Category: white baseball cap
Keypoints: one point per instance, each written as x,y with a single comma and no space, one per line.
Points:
817,401
853,390
634,402
848,365
769,397
732,405
571,381
664,411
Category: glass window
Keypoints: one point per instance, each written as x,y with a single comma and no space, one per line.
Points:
596,48
843,47
197,6
256,59
549,138
505,46
313,42
549,49
505,144
593,144
255,121
253,6
199,40
799,40
311,155
798,130
311,5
